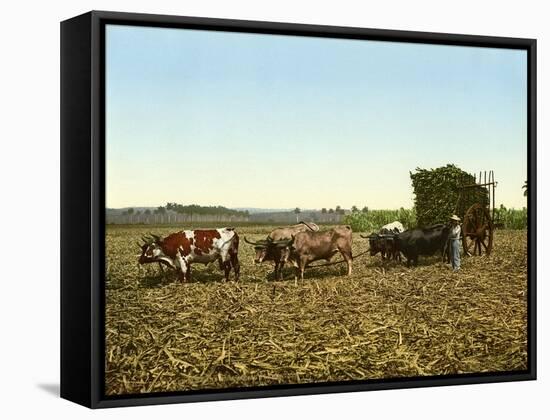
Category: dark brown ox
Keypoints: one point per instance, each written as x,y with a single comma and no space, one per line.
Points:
385,244
270,250
308,247
275,247
385,241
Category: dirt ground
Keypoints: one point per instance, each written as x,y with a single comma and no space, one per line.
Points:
384,321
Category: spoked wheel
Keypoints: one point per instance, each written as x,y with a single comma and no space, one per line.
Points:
477,231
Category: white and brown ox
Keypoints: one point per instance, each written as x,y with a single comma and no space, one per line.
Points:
181,249
307,247
275,247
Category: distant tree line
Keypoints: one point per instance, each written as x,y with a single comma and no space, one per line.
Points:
341,211
178,213
189,209
209,210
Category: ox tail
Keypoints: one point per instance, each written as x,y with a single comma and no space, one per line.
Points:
234,239
235,243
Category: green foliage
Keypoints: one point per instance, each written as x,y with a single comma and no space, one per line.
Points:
437,194
511,218
196,209
373,220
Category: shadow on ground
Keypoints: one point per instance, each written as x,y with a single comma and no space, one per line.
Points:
52,389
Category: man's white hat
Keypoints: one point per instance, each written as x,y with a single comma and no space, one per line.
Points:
455,217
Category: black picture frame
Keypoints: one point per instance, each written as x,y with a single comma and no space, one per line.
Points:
83,205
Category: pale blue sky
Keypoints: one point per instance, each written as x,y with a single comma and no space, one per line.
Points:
219,118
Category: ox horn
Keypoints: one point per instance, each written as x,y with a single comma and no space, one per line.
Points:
283,242
263,242
253,243
371,236
156,238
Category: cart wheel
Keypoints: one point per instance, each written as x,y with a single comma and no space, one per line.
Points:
477,231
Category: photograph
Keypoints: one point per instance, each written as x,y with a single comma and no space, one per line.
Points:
292,210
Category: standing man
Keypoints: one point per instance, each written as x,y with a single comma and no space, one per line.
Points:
454,239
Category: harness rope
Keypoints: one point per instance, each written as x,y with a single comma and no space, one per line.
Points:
336,262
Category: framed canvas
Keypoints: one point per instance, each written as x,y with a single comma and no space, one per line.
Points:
256,209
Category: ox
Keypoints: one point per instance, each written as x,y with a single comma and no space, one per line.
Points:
289,231
307,247
270,250
394,227
181,249
275,247
384,241
422,241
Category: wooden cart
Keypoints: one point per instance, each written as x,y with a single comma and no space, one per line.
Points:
478,220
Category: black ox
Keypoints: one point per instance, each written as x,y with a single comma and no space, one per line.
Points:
423,241
385,244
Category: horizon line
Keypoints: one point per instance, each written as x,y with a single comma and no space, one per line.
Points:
292,209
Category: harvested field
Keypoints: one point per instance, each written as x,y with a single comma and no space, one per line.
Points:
384,321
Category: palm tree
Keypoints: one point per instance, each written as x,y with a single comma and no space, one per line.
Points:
354,209
297,211
130,212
